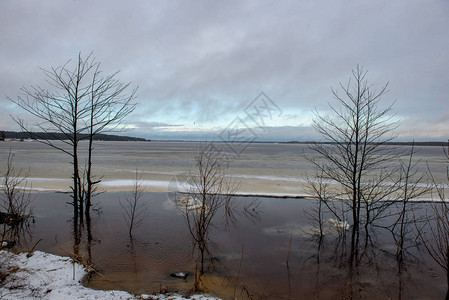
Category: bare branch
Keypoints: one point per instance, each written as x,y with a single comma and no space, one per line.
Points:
80,103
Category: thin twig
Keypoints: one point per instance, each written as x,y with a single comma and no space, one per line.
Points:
32,249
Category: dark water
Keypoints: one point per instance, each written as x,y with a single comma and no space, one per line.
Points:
278,233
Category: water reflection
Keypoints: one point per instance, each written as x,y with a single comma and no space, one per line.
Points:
19,233
284,258
82,242
368,264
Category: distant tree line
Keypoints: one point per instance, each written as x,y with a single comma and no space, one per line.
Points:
62,136
391,143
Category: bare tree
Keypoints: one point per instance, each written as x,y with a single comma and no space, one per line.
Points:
109,105
412,185
436,238
15,203
317,187
210,189
16,198
82,104
134,209
354,155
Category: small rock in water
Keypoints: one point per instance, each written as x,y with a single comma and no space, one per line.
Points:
7,244
180,275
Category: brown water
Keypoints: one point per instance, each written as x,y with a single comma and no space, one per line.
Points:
162,246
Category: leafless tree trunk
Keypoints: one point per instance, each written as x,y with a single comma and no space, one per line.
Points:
354,154
83,104
109,105
210,189
134,210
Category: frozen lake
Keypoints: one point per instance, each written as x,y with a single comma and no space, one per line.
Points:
276,233
261,168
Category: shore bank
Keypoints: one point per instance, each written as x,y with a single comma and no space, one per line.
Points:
46,276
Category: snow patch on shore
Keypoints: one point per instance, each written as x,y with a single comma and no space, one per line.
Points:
47,276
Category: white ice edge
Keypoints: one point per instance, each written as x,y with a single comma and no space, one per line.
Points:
43,179
129,183
48,276
179,180
177,185
38,189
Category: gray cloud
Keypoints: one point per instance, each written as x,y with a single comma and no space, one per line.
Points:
141,124
199,63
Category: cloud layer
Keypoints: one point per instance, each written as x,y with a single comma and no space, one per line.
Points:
198,64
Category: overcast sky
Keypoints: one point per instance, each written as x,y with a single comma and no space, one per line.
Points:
200,65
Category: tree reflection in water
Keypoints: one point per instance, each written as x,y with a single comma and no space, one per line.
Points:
319,267
83,241
367,269
19,233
